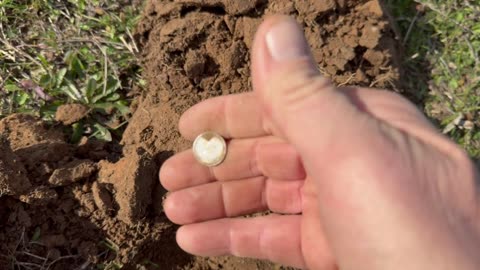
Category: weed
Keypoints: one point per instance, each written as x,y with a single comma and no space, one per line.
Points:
110,245
455,84
415,39
109,266
442,58
150,264
60,52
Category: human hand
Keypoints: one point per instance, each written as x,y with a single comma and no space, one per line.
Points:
363,179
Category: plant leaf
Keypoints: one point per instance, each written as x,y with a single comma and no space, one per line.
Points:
77,133
60,76
36,234
122,107
91,87
113,97
102,133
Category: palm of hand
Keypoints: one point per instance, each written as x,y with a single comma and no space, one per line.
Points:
264,172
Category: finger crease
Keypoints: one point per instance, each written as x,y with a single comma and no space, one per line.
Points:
298,201
213,173
226,115
223,207
254,163
264,195
263,123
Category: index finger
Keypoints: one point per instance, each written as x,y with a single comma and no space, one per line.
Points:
232,116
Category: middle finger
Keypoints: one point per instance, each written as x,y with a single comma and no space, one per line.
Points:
246,158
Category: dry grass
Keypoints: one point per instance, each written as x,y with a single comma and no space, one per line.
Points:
23,256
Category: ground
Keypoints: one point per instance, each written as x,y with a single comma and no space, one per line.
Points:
78,172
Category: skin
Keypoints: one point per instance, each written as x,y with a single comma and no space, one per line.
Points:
360,176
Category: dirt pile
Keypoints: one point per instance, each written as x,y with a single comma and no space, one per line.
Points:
197,49
95,202
58,211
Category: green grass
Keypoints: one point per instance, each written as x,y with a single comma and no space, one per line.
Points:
77,51
82,51
455,85
442,62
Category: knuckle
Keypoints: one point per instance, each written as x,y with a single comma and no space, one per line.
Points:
291,87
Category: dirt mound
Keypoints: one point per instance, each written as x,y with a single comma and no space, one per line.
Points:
83,205
197,49
58,212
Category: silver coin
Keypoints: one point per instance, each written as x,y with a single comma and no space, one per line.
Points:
210,149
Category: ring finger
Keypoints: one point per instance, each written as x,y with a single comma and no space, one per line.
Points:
234,198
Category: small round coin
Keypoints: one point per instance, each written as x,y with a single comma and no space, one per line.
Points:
210,149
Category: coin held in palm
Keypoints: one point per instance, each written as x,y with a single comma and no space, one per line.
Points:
210,149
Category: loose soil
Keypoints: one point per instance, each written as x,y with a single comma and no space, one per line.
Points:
70,113
65,206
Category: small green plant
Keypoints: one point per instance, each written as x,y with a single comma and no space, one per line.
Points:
61,52
36,234
110,245
150,265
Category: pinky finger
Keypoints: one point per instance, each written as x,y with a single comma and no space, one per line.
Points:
273,237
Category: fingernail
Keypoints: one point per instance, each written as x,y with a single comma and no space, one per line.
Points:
286,41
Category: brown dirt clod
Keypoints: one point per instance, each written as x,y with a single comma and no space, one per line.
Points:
72,172
40,195
102,198
22,131
71,113
133,179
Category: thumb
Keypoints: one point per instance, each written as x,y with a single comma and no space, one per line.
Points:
325,127
304,108
300,104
